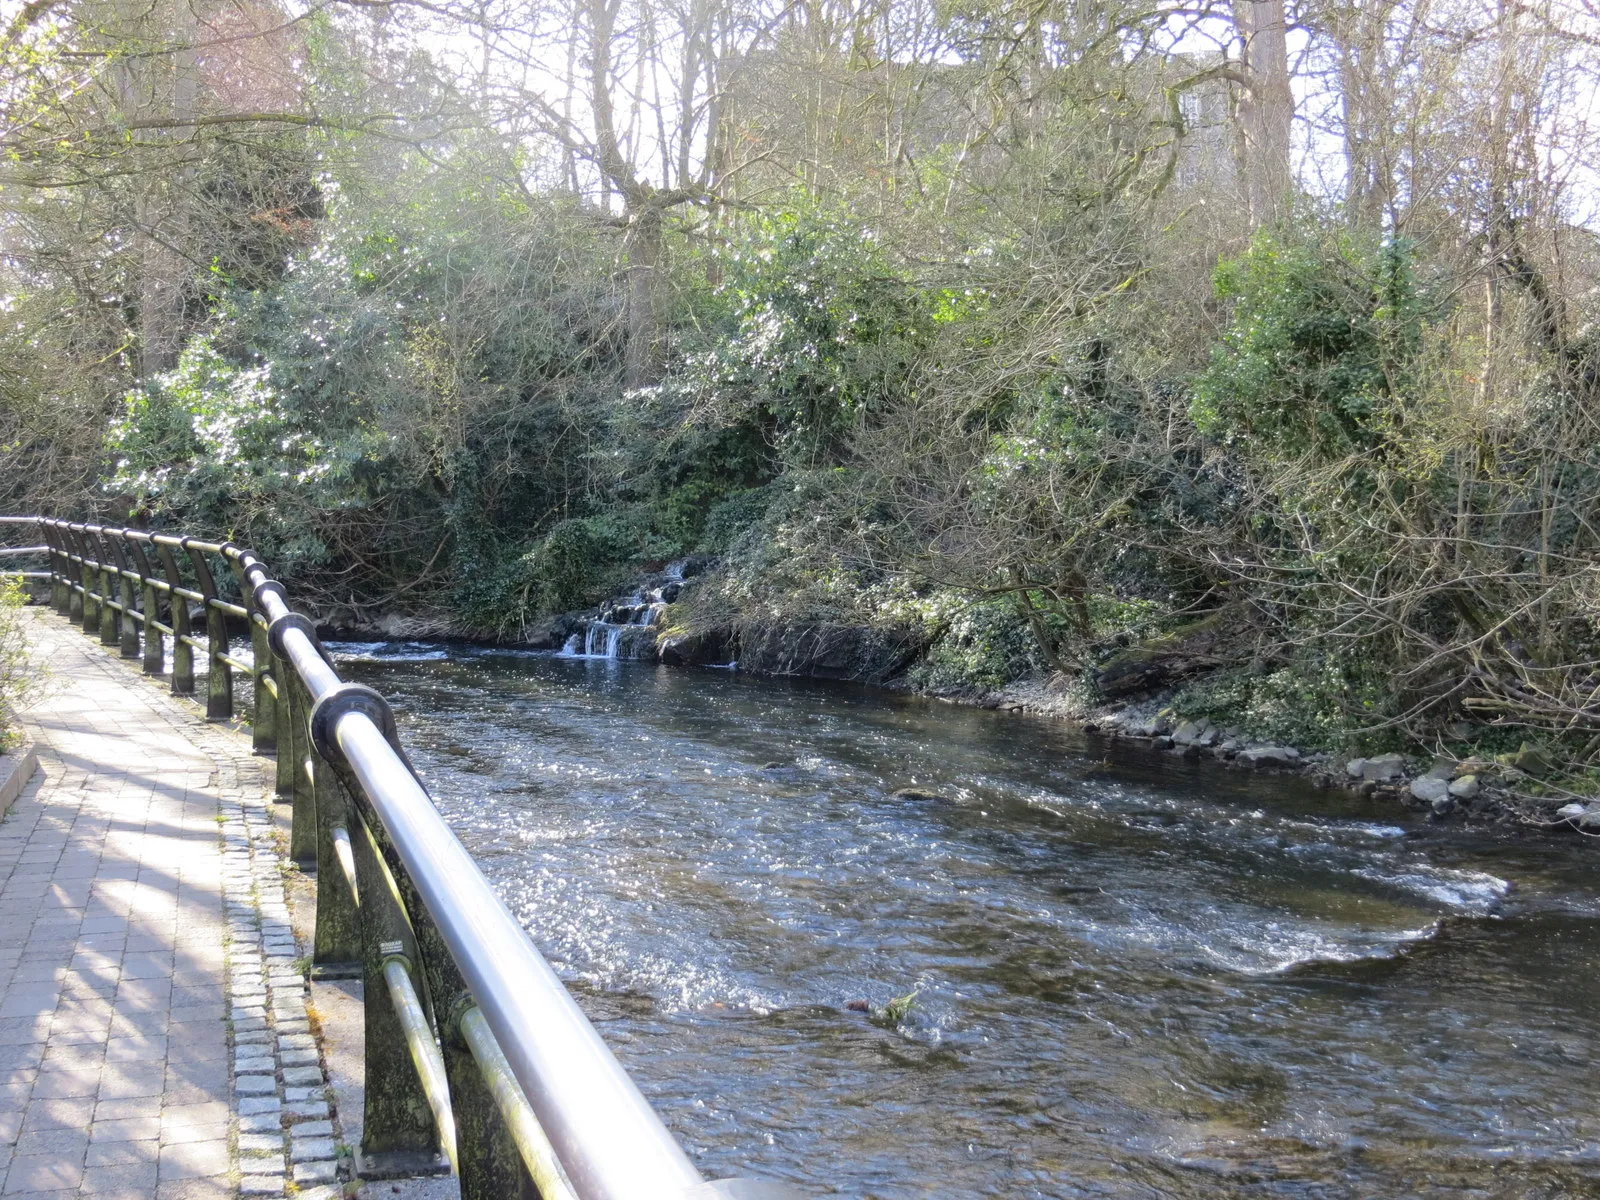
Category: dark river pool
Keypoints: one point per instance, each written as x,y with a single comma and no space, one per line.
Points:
1133,977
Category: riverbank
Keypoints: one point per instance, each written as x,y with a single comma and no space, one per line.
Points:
1479,791
1510,791
1468,789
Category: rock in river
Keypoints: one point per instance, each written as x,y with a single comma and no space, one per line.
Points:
1430,789
1383,768
1270,756
922,794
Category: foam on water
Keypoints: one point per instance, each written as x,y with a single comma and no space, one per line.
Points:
1474,892
394,652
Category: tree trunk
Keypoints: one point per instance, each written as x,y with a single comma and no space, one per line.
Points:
1266,109
149,87
643,246
1369,93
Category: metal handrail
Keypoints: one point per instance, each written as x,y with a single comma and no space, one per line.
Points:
21,552
489,1025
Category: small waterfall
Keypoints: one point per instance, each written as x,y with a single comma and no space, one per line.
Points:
602,639
612,633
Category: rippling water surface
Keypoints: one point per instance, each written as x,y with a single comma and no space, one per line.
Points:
1134,977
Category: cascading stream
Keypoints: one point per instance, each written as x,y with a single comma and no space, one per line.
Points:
1131,976
609,635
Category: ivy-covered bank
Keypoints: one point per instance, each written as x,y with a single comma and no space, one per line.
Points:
1174,693
1316,513
1299,482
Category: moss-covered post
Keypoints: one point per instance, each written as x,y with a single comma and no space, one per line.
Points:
155,653
90,615
283,740
264,721
60,569
108,613
219,676
488,1162
69,543
398,1133
303,824
88,609
336,952
128,625
178,608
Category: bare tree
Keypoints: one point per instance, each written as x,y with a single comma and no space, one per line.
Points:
1265,108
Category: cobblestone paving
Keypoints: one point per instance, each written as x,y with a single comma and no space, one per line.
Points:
154,1039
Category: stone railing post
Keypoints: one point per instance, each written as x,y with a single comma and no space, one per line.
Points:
219,676
178,609
155,653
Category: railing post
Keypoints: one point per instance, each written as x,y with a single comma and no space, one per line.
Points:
74,610
91,595
108,613
264,722
336,941
303,823
155,653
283,672
178,608
59,568
399,1135
488,1163
130,631
219,676
47,534
89,613
85,614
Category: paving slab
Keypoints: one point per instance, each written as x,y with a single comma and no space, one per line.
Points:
138,870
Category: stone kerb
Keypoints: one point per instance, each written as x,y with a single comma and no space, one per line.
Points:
16,769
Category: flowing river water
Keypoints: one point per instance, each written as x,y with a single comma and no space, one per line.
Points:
1133,977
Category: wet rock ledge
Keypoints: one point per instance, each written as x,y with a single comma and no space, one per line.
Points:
1476,790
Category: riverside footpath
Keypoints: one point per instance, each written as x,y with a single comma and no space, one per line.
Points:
154,1035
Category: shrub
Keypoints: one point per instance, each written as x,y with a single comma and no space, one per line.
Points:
813,329
430,377
1322,337
985,646
577,564
16,674
731,516
1317,700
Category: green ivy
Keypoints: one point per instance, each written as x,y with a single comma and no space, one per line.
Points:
1322,337
811,330
1319,699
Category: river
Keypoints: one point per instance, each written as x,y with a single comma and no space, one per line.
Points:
1132,976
